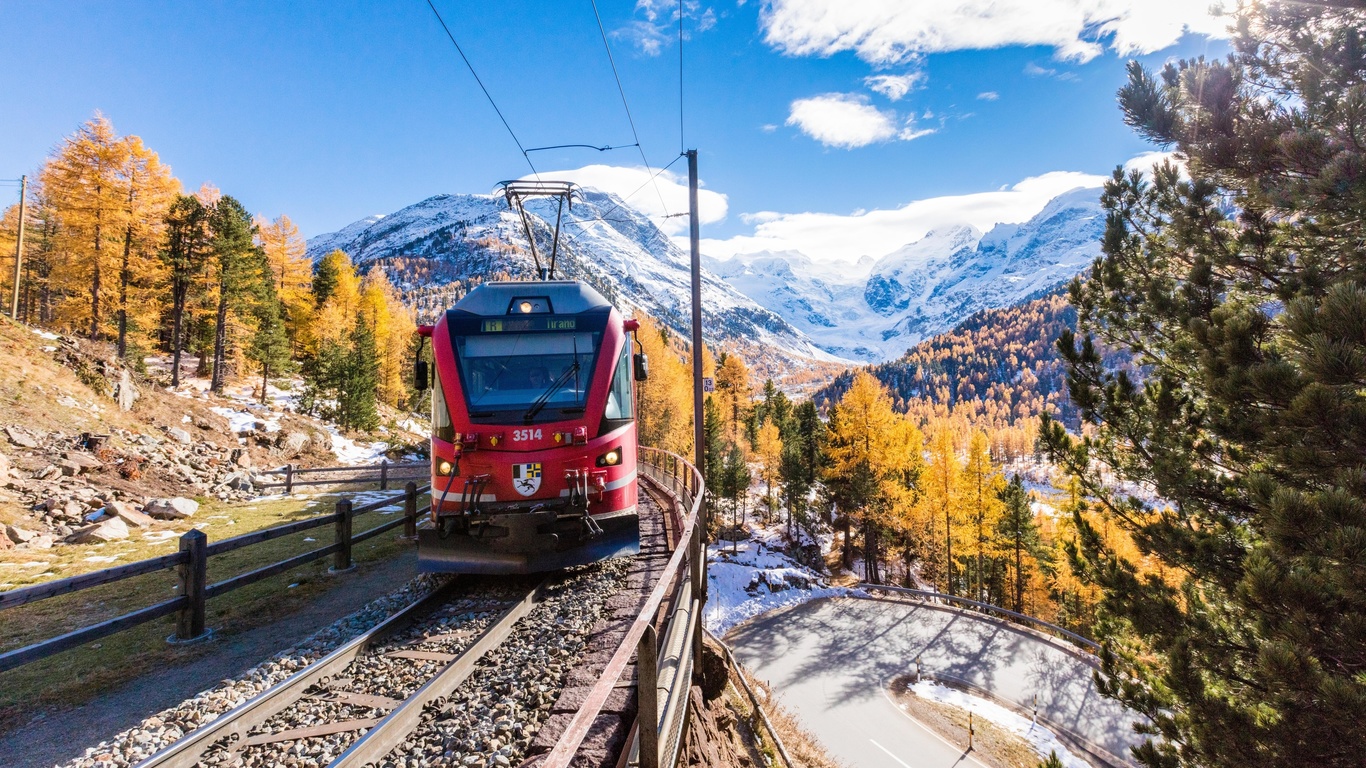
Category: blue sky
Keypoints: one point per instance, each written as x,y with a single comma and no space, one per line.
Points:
835,126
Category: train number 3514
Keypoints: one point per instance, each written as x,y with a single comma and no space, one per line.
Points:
518,435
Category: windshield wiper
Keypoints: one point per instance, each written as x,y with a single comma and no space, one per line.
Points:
554,387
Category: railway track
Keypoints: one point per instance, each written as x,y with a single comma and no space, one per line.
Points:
468,675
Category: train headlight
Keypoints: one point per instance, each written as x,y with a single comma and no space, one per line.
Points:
443,468
525,307
610,459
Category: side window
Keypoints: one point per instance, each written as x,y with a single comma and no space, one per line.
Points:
619,404
442,429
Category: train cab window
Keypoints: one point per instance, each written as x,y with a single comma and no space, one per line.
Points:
506,374
442,428
619,406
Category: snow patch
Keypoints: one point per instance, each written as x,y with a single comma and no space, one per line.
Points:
757,578
1040,738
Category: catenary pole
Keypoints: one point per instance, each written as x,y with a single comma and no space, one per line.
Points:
19,247
693,236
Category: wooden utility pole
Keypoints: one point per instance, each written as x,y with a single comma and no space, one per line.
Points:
693,237
19,247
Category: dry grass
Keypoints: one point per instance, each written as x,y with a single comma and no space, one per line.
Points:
801,746
991,744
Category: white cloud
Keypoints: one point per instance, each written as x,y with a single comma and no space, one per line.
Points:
848,121
839,239
1144,162
988,95
894,86
659,28
894,31
633,184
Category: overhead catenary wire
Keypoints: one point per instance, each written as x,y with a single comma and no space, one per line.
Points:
621,90
482,87
622,201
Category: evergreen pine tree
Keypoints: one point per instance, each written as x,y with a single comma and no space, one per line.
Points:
269,345
1019,536
357,406
1241,292
186,246
235,252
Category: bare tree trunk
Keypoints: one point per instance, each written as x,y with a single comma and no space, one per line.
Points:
220,338
178,293
125,275
95,282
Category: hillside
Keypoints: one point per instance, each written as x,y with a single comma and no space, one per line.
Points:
72,458
436,250
999,368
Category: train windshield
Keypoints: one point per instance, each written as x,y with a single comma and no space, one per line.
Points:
510,373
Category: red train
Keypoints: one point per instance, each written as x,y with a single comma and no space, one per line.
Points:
533,431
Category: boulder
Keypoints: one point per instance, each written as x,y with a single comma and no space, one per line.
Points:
6,543
177,508
238,481
241,457
73,509
127,514
179,435
21,438
47,473
84,460
40,542
112,529
69,468
4,467
294,444
18,535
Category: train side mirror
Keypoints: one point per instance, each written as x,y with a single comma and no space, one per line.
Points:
642,366
420,378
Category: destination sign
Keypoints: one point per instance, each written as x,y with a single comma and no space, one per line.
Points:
524,324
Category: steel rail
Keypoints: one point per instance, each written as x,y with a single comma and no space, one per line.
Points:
189,750
390,731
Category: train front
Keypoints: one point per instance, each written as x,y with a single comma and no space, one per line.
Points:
533,431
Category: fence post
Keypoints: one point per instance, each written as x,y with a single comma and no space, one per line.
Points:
289,479
647,695
194,581
341,560
410,510
384,474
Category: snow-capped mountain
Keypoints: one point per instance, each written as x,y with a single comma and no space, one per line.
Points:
876,312
436,249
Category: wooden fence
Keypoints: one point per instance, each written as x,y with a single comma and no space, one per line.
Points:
191,564
384,473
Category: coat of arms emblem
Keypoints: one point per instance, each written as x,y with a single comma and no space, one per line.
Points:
526,478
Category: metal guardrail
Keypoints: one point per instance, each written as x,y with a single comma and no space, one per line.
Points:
666,637
383,473
191,563
928,596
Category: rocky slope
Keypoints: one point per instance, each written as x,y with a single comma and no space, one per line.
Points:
90,449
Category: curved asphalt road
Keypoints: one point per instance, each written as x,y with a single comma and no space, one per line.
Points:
830,660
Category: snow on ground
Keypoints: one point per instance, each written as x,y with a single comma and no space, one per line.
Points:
1040,738
349,451
757,577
